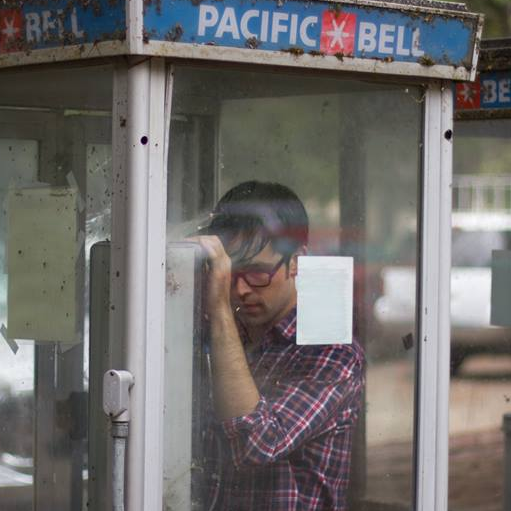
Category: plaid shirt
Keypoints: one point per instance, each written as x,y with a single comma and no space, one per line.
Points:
293,451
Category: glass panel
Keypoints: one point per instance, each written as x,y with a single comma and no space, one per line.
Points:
55,195
350,151
20,163
480,334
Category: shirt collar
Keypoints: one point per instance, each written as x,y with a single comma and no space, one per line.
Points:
283,332
286,327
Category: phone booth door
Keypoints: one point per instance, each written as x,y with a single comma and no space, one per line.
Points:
349,150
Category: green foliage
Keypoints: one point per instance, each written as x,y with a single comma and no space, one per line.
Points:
497,16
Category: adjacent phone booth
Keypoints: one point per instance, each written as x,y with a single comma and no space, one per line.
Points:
480,322
121,125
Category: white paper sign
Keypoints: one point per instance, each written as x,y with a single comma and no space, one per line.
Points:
325,300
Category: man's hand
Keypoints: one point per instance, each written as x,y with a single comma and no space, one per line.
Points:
219,274
234,389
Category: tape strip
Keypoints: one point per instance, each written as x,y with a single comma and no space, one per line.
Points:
11,342
72,182
63,347
80,242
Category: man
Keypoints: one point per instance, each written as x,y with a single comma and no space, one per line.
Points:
284,414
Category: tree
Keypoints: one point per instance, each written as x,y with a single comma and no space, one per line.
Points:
497,16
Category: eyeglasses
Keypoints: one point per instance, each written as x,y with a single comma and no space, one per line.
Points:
256,278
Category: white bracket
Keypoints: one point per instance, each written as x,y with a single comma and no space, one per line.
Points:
116,394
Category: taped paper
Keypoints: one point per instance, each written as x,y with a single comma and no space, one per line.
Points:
80,243
41,249
325,300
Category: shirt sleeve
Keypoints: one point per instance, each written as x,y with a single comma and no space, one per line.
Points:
300,411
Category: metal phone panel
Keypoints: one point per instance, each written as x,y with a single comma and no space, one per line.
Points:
101,358
185,366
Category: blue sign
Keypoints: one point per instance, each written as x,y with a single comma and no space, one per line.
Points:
496,90
490,91
36,24
315,27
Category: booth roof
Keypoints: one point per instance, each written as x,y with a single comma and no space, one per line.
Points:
450,6
495,55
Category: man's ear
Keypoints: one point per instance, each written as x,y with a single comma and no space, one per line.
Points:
293,263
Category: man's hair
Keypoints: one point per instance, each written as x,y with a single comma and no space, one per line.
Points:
256,214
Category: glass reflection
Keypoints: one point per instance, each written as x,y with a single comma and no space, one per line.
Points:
334,144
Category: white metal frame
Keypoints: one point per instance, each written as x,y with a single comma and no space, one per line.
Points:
138,257
279,58
434,314
135,26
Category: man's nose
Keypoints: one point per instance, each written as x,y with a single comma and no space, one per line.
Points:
241,287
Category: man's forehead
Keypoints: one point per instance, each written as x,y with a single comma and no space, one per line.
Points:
267,254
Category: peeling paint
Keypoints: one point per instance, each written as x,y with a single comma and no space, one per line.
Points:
297,52
252,43
175,33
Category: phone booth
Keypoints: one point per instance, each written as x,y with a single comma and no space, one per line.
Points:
480,325
121,126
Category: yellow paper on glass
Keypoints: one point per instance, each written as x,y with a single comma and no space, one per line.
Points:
41,264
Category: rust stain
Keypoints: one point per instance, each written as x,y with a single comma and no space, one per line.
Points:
426,60
252,43
297,52
175,33
173,286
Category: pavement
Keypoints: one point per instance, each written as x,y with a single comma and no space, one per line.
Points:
479,396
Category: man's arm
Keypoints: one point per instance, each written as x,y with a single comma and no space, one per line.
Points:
234,390
300,408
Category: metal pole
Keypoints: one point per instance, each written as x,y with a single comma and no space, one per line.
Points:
119,436
116,404
136,272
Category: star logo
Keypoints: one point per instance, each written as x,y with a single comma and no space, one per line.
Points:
338,33
11,29
468,95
